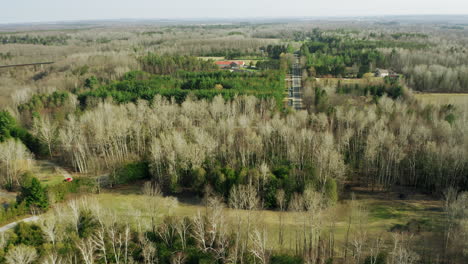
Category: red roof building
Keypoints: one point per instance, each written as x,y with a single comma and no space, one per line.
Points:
230,64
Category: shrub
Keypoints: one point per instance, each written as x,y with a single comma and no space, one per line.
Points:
270,191
198,178
28,234
91,82
331,191
380,259
58,193
285,259
12,212
131,172
87,224
10,129
33,193
7,122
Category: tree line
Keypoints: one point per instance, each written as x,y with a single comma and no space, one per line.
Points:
245,139
36,40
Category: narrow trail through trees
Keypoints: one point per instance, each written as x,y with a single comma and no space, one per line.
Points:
12,225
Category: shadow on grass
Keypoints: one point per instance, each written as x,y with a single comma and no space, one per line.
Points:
385,212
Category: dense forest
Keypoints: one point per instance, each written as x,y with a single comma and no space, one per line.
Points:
141,85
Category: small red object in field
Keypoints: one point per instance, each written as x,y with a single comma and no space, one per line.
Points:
69,179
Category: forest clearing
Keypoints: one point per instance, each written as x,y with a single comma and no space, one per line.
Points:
383,211
458,99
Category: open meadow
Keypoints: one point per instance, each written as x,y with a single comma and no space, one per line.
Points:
458,99
382,214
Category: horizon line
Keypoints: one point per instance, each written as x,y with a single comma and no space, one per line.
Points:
233,19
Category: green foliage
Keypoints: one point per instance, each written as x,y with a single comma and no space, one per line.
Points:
80,71
10,129
28,234
12,212
274,51
269,192
321,99
33,193
392,90
203,85
167,64
451,118
91,82
131,172
408,35
453,27
6,56
7,124
223,179
338,54
198,178
229,54
285,259
268,65
233,33
331,191
380,259
136,75
331,54
58,192
40,102
37,40
87,223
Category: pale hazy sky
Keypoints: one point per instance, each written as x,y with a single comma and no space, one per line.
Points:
12,11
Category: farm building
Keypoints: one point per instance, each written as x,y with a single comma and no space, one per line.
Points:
230,64
382,73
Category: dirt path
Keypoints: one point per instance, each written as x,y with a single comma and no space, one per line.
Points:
49,173
12,225
7,195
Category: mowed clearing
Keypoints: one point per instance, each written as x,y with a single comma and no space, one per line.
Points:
458,99
49,173
333,82
383,211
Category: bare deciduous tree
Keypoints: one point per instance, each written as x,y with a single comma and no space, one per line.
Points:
259,246
46,130
87,248
21,254
15,159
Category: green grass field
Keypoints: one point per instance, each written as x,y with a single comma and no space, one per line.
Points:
383,211
443,98
47,172
333,82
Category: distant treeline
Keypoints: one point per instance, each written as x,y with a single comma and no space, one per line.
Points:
6,56
166,64
37,40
